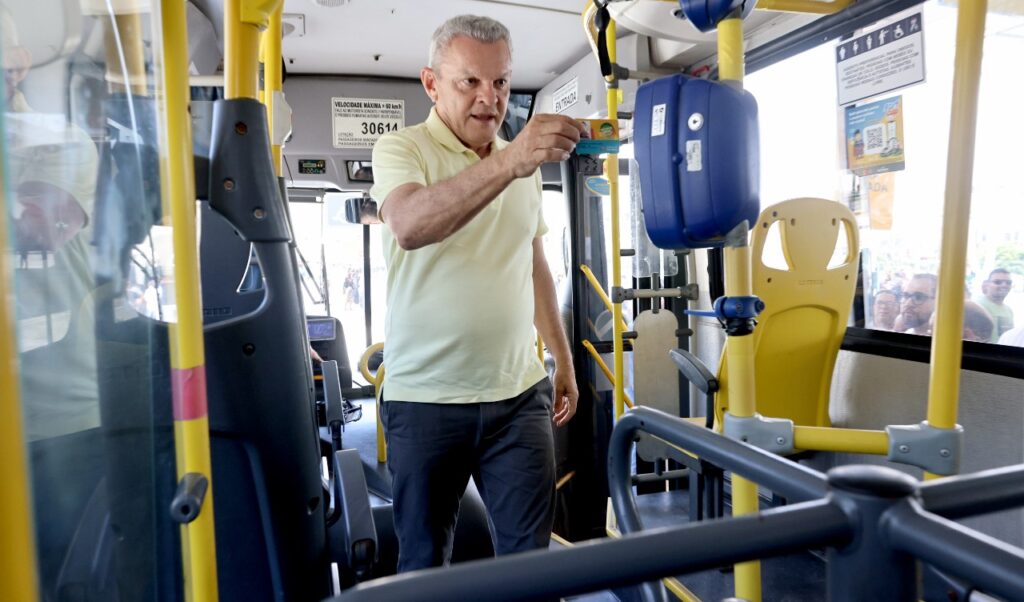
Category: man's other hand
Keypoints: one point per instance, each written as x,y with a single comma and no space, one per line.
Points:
565,395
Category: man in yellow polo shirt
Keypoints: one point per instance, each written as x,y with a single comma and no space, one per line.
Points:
464,392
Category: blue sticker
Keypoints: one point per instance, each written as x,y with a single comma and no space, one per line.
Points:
597,185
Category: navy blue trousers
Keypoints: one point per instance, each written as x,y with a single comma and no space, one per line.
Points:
506,446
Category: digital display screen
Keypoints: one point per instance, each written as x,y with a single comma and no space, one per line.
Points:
320,330
313,167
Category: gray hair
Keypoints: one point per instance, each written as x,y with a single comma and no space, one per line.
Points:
481,29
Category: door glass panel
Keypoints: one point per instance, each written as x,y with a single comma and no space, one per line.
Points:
93,289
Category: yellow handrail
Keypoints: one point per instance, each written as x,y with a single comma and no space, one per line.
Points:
854,441
600,291
813,7
739,349
270,45
18,575
611,171
376,380
241,52
188,370
947,338
604,368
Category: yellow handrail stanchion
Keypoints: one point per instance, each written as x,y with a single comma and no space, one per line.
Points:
611,171
18,574
739,349
853,441
376,380
125,53
188,370
271,52
604,368
241,49
814,7
947,338
599,290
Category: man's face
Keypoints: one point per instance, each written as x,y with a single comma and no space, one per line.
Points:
16,63
886,308
918,302
998,286
470,89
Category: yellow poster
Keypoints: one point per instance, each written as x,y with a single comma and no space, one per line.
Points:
881,193
874,137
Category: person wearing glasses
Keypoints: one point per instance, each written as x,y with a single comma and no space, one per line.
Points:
917,304
994,292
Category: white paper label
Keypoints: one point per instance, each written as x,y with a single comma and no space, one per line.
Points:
885,58
693,160
359,122
658,120
567,95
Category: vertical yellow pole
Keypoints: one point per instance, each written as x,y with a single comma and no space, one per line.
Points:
271,45
188,370
739,349
944,381
126,58
18,576
611,171
241,52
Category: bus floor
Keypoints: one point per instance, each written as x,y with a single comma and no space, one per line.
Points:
795,577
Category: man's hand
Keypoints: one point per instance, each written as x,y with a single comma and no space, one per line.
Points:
565,395
546,138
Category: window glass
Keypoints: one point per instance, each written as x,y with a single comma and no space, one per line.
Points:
93,286
804,150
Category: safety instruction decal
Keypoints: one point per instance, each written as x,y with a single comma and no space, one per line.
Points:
359,122
882,59
874,137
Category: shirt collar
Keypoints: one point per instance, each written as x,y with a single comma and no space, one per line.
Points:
439,131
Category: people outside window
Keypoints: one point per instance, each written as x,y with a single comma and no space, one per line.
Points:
978,324
994,291
885,309
917,305
1014,337
465,393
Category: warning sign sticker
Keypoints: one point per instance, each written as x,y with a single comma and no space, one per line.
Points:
880,60
359,122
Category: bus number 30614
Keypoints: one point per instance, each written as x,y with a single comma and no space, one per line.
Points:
378,128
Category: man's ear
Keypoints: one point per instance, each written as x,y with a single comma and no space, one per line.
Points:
429,79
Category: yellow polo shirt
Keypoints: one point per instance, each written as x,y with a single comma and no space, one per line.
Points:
459,325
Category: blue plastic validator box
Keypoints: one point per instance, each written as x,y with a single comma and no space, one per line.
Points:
697,145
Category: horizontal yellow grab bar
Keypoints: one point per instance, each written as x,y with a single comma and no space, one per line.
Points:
855,441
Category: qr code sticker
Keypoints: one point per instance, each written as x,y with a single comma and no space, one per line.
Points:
874,139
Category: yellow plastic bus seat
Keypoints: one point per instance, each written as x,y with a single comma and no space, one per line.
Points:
807,306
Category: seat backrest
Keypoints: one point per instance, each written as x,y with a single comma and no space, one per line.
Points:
808,291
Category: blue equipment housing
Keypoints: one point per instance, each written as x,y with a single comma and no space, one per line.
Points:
705,14
697,145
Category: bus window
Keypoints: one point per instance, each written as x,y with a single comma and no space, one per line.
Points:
804,153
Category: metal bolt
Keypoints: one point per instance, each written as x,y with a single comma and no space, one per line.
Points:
904,448
780,440
259,213
695,122
229,184
945,453
241,129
